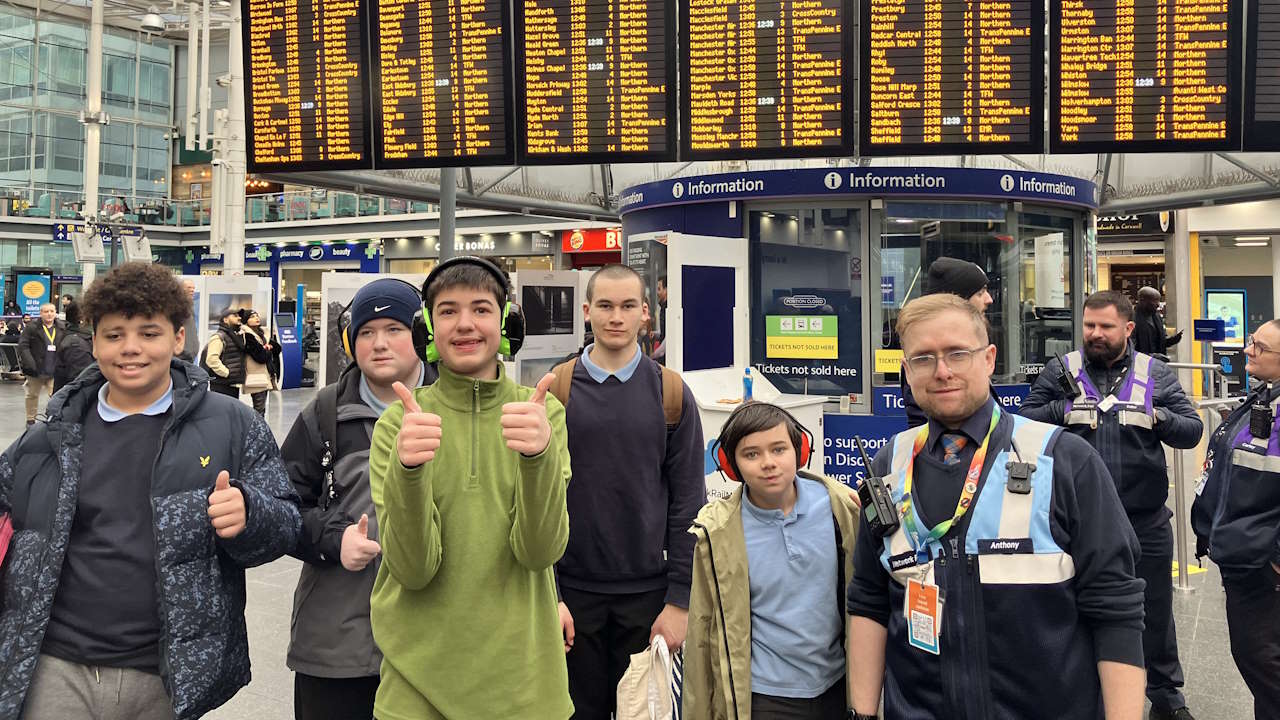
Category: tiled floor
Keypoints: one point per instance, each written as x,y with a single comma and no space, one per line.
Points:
1213,686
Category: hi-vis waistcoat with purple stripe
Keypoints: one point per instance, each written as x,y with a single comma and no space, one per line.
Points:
1132,402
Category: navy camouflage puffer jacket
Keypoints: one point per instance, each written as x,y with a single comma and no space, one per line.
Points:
204,644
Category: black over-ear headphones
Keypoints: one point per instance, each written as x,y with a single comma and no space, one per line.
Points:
800,436
419,328
512,316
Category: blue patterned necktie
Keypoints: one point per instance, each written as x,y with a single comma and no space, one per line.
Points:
952,445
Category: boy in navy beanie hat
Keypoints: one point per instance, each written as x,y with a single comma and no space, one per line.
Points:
336,674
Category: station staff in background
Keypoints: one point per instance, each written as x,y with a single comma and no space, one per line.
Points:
635,443
1129,403
1236,519
966,281
1148,332
1017,527
37,356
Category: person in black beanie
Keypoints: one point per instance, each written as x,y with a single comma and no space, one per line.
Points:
958,277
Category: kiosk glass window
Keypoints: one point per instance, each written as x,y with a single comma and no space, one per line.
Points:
1028,271
806,319
1044,322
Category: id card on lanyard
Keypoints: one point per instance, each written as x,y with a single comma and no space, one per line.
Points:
923,602
52,346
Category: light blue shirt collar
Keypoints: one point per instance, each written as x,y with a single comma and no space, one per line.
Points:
767,516
370,399
600,374
110,414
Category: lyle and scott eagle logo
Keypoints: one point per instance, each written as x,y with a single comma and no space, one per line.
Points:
204,461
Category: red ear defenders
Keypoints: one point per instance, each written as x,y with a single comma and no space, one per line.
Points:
804,450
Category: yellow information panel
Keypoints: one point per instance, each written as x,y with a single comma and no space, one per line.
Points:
952,76
1145,75
802,337
306,85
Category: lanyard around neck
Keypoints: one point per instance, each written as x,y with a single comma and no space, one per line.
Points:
921,539
48,334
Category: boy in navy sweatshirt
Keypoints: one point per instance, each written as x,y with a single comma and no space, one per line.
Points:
639,482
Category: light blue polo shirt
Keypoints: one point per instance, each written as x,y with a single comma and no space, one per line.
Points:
795,614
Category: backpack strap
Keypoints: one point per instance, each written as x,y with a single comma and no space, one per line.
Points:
564,380
327,424
672,396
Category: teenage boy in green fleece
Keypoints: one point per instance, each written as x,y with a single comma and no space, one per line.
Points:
468,479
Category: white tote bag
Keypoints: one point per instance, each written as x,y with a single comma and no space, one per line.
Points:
645,691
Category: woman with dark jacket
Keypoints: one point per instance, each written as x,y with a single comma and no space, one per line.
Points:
262,361
75,349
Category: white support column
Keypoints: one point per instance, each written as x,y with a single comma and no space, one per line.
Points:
233,154
92,123
193,73
206,94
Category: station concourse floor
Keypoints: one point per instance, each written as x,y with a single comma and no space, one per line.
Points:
1213,688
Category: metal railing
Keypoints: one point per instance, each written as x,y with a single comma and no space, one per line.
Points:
303,205
1213,403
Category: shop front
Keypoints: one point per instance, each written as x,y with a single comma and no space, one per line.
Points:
511,251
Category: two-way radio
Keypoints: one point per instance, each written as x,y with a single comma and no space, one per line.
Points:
1067,381
877,502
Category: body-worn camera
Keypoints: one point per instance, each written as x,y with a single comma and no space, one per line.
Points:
877,502
1260,416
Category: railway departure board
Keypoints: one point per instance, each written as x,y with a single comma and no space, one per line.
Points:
306,85
1144,75
595,80
441,83
951,76
765,78
1262,94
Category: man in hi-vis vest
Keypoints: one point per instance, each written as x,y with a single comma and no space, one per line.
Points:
1125,404
1007,587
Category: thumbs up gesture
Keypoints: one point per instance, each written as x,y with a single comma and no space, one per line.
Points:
226,507
357,549
524,424
420,432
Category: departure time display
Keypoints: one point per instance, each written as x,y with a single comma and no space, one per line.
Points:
306,85
765,78
441,83
1153,75
951,76
596,80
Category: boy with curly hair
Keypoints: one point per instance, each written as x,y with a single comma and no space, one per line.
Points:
136,508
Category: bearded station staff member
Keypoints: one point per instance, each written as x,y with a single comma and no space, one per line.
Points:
1126,404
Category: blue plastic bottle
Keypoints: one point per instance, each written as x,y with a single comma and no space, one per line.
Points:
746,385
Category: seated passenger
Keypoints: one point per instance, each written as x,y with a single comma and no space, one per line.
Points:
136,508
766,633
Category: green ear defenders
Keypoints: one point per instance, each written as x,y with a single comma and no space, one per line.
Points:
419,328
512,315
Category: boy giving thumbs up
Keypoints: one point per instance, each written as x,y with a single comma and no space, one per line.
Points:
468,479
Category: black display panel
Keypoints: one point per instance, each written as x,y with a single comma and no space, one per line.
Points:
595,81
1262,77
765,78
442,83
306,85
951,76
1144,75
